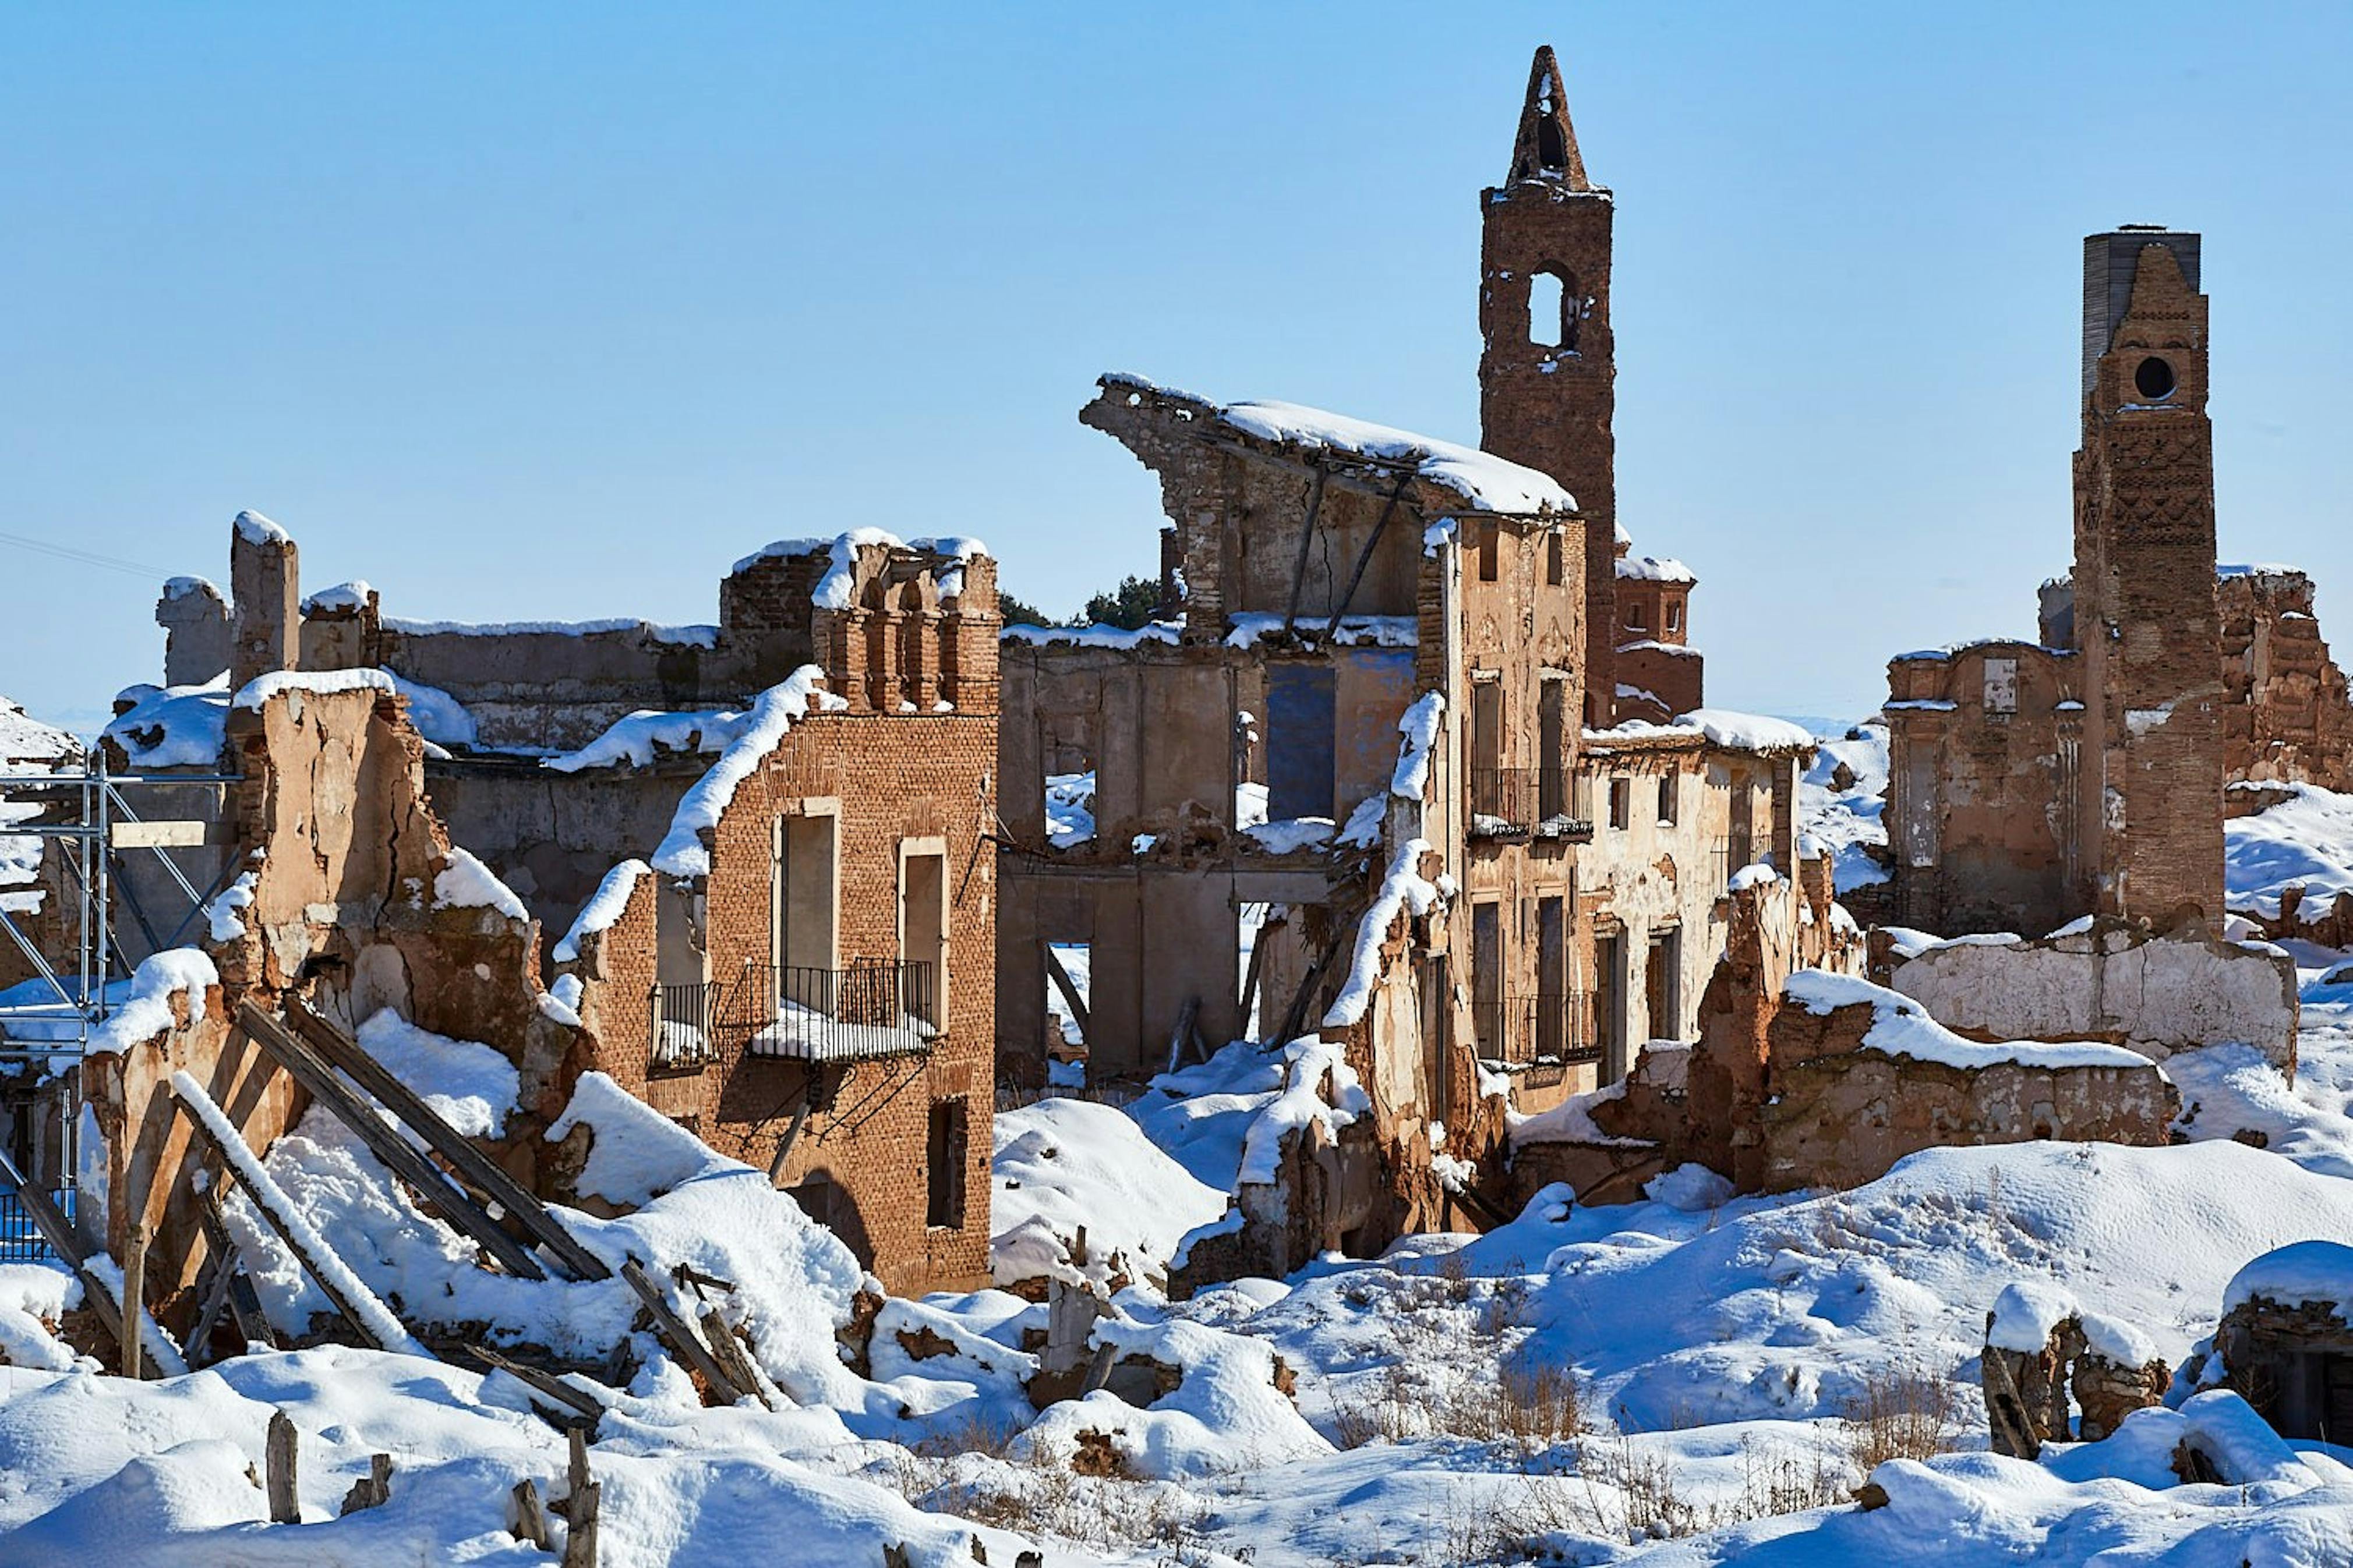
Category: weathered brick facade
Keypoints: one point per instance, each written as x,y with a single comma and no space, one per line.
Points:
1547,387
2030,784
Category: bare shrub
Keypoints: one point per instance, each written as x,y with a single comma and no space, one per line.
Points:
1900,1414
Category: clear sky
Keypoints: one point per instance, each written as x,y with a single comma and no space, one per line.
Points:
553,311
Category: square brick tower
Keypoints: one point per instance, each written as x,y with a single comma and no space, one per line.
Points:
2151,799
1547,375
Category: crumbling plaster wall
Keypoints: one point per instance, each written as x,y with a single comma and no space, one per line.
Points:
2113,983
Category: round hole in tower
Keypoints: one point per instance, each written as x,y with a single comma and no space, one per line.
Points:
2154,379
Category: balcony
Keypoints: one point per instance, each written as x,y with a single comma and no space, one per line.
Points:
1537,1037
875,1008
1520,804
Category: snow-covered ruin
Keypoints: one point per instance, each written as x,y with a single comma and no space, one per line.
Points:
1369,1067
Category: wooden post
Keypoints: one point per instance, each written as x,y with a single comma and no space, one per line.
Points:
134,1293
580,1508
731,1355
373,1490
285,1507
529,1515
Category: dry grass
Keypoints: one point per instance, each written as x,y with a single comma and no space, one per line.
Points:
1901,1414
1038,1497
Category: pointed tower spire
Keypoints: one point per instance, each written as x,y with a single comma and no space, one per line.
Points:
1546,148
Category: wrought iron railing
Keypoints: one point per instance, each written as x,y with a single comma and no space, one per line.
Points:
1548,1027
1523,802
875,1007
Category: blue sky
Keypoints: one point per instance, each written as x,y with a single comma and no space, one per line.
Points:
554,312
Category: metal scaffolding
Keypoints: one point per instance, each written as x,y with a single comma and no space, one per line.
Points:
43,1041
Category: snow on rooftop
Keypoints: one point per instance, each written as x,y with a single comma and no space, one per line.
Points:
2299,1273
1097,635
637,737
603,908
1487,482
173,727
1719,726
1252,626
256,529
183,587
24,738
1902,1027
258,691
1653,569
685,636
342,597
465,883
683,852
2257,569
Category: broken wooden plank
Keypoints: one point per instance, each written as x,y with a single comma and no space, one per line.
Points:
582,1504
733,1354
244,1303
373,1490
547,1385
216,1300
679,1335
266,1200
527,1515
398,1154
134,1293
487,1177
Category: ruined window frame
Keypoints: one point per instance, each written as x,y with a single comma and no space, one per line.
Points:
1669,798
1621,802
947,1146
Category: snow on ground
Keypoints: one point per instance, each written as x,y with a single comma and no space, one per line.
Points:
2307,840
1846,820
1070,809
1064,1165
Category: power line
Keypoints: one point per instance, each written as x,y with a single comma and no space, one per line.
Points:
84,557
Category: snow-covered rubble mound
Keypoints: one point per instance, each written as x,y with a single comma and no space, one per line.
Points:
1066,1165
1839,802
2307,840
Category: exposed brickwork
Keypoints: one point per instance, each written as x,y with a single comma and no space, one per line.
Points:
1548,390
2285,719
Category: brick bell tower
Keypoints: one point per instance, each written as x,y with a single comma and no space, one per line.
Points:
2152,769
1548,372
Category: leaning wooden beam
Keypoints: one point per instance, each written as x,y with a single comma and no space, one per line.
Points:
368,1316
1071,998
554,1389
487,1177
244,1304
66,1242
398,1154
1364,556
679,1335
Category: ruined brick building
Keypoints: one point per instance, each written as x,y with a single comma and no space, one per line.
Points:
1419,755
2084,771
794,956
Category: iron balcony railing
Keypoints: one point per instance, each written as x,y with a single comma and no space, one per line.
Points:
1545,1029
1523,802
875,1007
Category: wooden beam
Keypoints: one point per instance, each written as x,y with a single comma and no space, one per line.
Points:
58,1232
244,1305
554,1389
325,1281
1364,556
679,1335
398,1154
1071,998
487,1177
1184,1031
